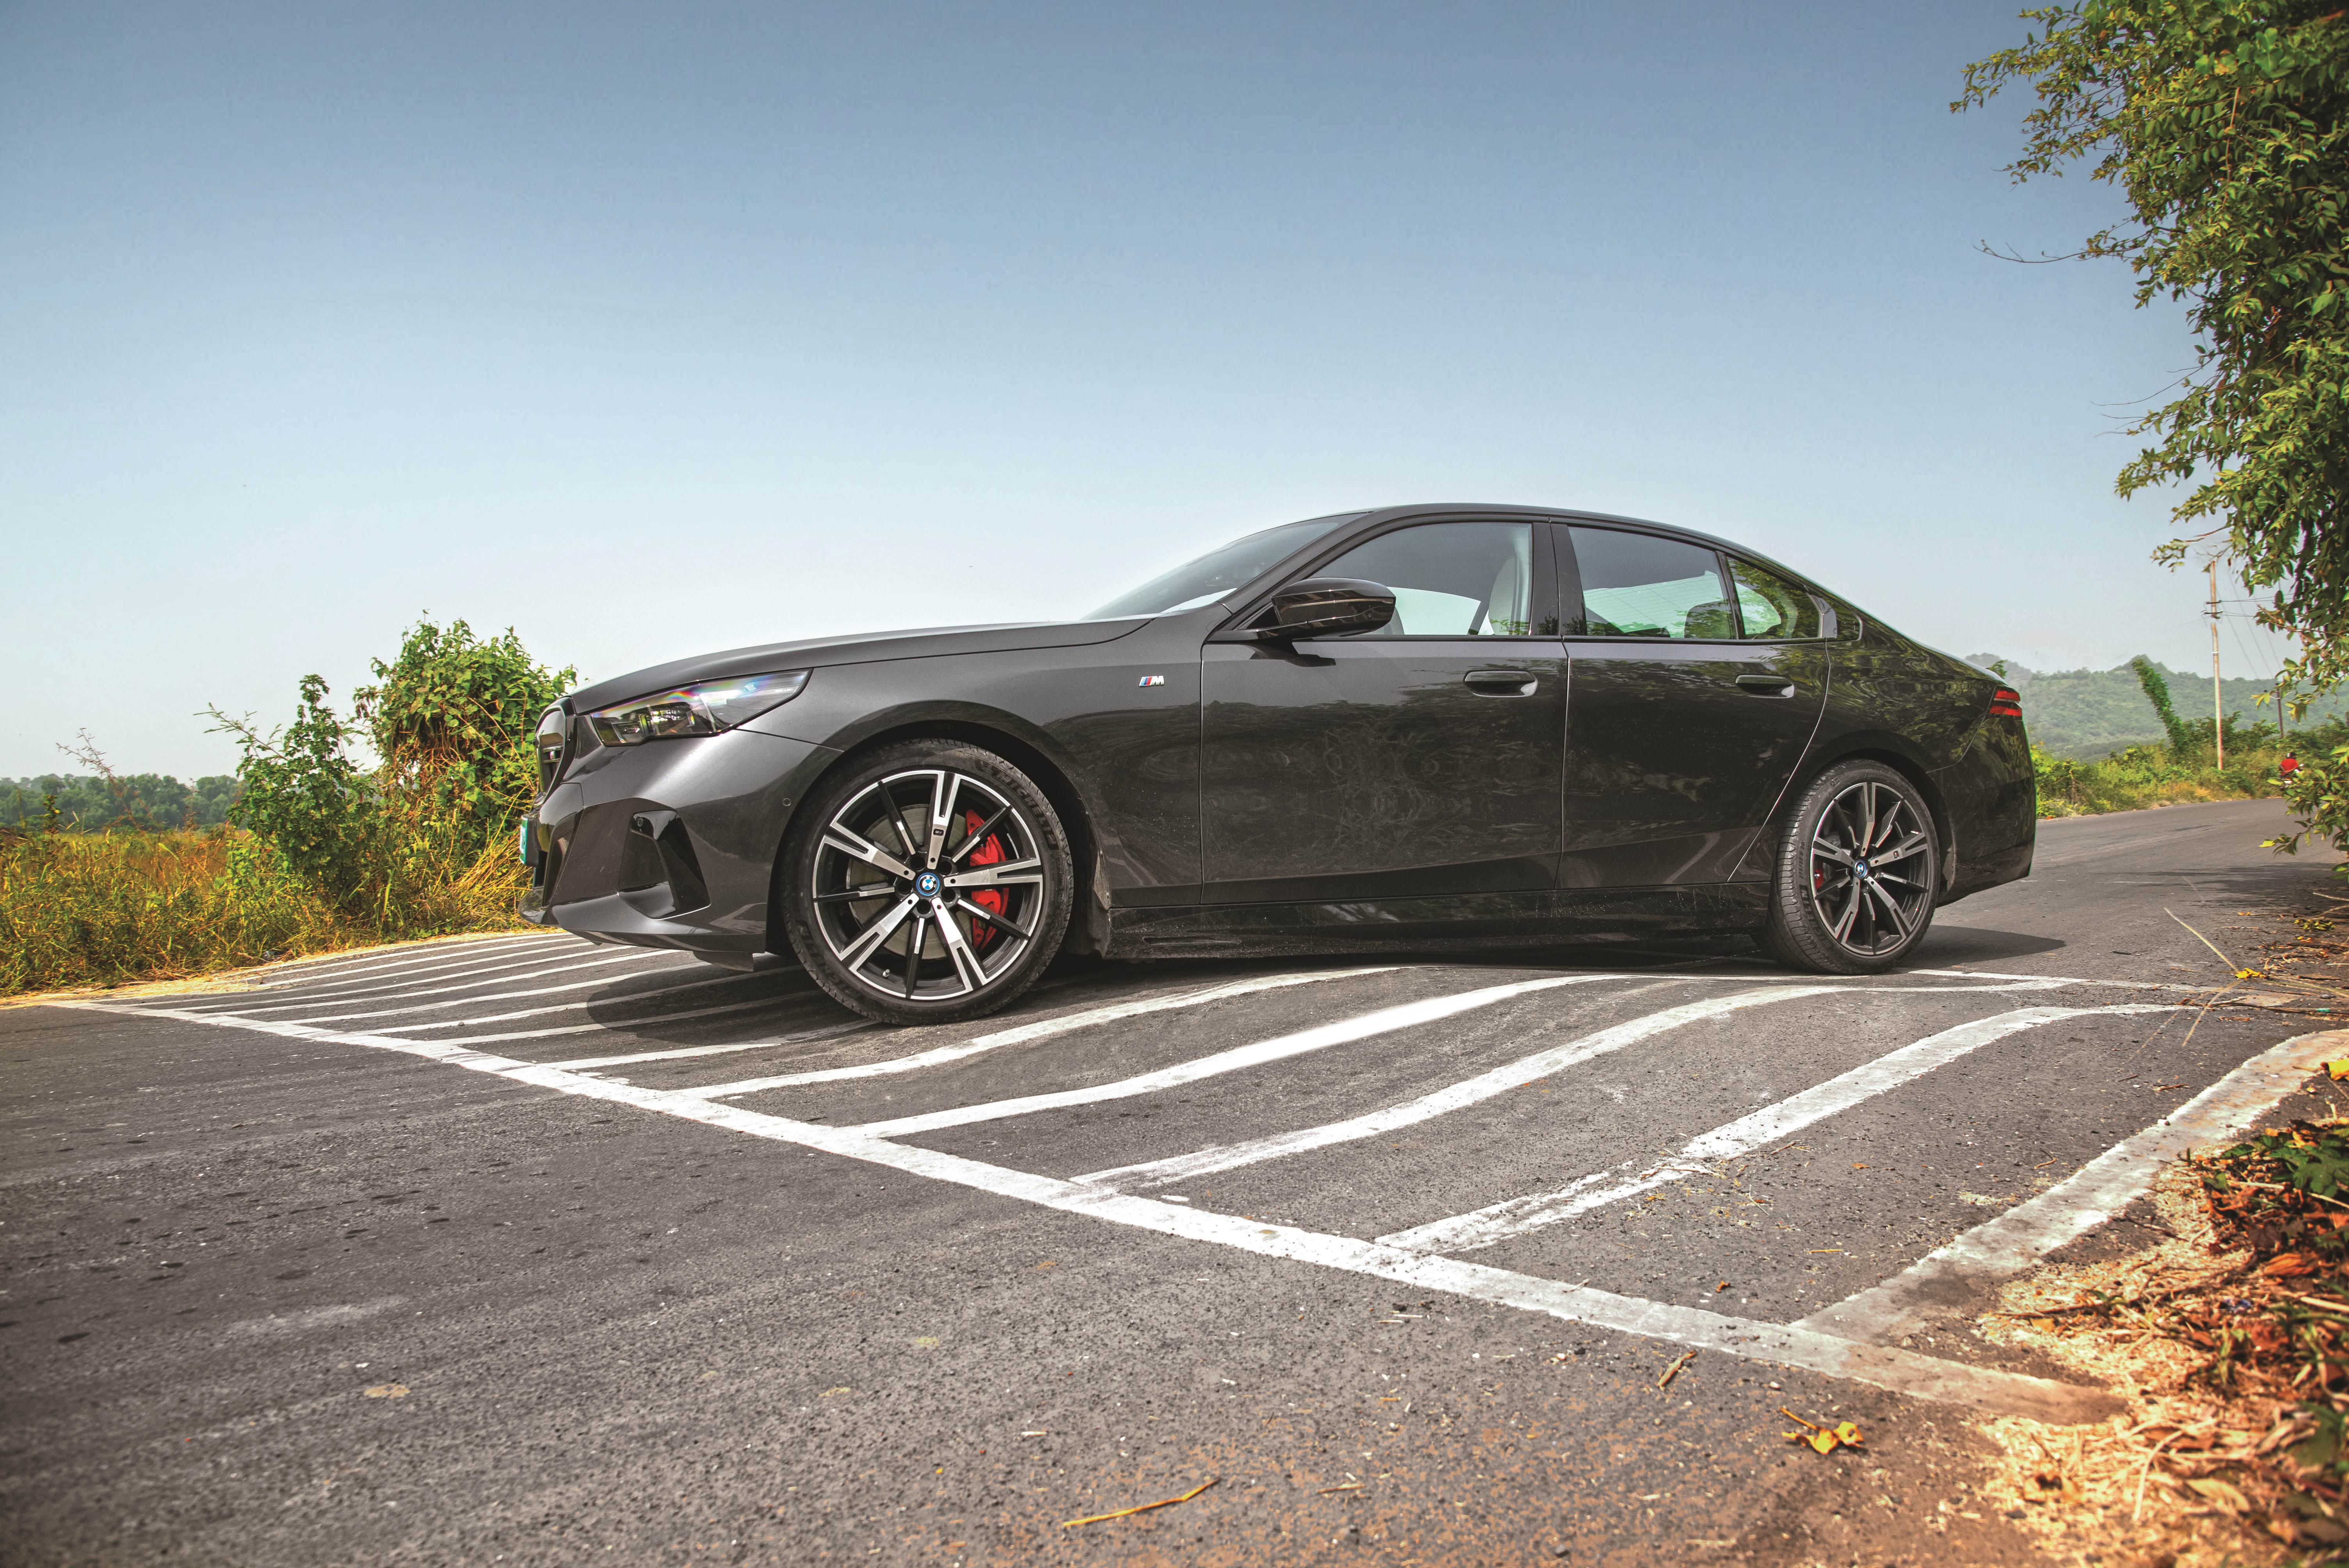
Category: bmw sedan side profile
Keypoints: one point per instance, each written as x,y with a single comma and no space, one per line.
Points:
1476,726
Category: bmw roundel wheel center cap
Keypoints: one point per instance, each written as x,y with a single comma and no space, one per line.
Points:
926,885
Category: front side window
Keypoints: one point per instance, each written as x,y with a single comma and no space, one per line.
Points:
1774,609
1449,579
1638,585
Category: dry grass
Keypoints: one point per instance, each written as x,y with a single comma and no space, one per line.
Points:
2194,1334
82,910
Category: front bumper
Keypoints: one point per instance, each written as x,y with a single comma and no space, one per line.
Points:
668,845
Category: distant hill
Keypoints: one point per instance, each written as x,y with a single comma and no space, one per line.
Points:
2086,713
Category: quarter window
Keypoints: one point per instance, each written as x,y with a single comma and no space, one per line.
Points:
1773,608
1449,579
1638,585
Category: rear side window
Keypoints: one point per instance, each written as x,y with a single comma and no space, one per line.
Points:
1772,609
1638,585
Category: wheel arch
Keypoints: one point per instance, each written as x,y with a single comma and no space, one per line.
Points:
1902,759
1024,747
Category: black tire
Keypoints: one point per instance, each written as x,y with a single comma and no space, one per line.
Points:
924,845
1859,866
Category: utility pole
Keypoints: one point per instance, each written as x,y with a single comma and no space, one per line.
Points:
2218,696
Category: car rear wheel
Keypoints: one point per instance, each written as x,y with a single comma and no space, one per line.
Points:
928,884
1857,866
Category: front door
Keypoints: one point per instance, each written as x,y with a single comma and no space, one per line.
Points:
1422,760
1692,705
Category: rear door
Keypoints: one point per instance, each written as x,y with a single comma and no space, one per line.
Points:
1421,760
1699,680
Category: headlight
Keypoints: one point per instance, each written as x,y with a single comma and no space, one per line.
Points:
703,708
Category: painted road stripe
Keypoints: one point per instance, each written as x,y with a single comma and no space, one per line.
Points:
647,993
1901,1371
2017,1239
832,1032
2064,980
407,1006
342,965
1042,1029
313,989
611,1029
1386,1020
405,988
1514,1075
1515,1216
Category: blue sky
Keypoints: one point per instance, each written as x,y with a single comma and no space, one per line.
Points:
648,330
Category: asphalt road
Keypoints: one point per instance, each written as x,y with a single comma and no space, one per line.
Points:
520,1250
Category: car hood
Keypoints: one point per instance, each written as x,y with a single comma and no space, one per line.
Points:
869,647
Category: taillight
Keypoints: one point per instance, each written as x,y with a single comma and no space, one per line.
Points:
2006,703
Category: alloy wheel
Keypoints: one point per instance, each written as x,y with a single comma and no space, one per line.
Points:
1869,865
929,885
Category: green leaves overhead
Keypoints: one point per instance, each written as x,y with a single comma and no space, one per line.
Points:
2222,122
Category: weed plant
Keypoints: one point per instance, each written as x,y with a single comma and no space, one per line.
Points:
2184,770
323,853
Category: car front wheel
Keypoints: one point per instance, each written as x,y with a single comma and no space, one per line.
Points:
928,884
1857,866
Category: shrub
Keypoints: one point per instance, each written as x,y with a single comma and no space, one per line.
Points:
323,851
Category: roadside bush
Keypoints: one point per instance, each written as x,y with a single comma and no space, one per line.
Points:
2155,775
325,851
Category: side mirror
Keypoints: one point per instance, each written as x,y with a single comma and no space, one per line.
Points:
1326,607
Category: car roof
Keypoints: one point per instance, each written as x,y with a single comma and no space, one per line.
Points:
1436,510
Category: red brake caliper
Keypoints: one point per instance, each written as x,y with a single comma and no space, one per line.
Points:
990,899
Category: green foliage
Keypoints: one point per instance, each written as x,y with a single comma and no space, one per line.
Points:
2318,795
324,852
91,804
2158,774
2223,123
304,795
2306,1158
452,719
2157,692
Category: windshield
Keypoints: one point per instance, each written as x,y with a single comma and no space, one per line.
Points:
1214,574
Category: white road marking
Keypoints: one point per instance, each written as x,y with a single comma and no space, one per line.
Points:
2017,1239
1515,1216
1500,1081
342,965
833,1032
614,1028
1042,1029
311,988
1386,1020
403,991
407,1006
648,992
2055,980
1902,1371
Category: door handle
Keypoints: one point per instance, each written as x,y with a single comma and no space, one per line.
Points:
1502,683
1768,685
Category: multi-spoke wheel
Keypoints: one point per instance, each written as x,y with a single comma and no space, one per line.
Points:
931,883
1858,867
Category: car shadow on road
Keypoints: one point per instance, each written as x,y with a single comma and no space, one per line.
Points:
1975,944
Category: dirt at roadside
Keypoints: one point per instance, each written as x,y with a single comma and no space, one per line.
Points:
2227,1338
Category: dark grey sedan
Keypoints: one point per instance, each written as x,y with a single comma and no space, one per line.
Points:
1482,726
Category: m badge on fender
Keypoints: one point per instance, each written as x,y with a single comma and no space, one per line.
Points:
1154,680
